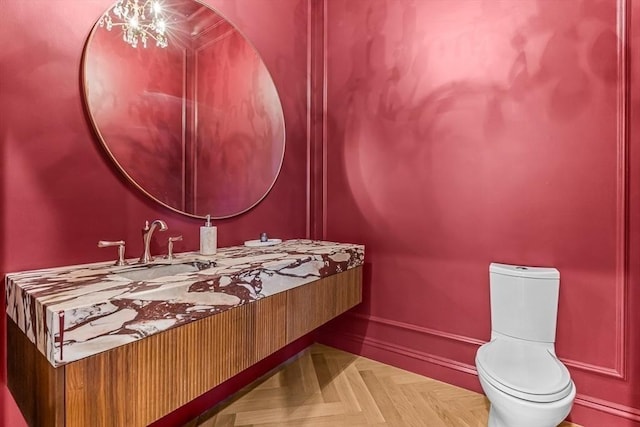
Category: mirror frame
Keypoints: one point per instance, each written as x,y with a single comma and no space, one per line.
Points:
127,176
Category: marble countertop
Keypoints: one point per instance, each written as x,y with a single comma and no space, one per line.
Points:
77,311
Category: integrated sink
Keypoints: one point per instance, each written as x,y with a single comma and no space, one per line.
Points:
151,272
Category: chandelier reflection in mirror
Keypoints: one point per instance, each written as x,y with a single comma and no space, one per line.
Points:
139,19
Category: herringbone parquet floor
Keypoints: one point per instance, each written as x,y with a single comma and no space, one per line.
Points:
328,387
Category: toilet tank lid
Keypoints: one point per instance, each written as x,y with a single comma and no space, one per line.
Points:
524,271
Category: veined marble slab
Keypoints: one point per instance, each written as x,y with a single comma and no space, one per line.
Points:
77,311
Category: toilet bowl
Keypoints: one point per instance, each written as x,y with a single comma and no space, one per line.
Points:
527,395
527,385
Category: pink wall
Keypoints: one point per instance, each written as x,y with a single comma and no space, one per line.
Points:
461,133
59,192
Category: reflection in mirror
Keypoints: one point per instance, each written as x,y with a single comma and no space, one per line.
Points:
196,124
139,21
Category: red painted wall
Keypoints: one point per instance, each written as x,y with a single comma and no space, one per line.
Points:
461,133
59,192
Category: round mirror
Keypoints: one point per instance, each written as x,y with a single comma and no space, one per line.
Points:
184,106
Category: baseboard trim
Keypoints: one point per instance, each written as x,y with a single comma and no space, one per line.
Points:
608,407
416,328
409,352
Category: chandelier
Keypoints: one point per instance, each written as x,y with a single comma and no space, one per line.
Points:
139,19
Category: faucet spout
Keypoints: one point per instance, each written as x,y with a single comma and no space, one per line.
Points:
147,232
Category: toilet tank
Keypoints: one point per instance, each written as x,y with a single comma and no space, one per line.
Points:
524,301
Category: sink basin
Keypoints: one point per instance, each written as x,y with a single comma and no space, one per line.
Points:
156,271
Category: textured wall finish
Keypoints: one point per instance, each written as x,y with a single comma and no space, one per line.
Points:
468,132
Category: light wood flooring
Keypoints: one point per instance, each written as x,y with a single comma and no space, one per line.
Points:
328,387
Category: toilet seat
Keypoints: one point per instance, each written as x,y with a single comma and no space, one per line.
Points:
523,370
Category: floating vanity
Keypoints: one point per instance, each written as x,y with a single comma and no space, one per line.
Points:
100,344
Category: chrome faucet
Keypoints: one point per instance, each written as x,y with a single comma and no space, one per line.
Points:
147,231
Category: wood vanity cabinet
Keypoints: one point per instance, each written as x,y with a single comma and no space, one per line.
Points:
138,383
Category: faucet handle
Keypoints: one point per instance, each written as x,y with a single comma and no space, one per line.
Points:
119,244
170,245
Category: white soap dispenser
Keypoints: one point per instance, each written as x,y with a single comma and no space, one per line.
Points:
208,238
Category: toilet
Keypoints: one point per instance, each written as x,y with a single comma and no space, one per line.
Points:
518,369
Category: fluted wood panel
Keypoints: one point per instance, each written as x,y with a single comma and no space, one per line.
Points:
298,320
271,331
348,291
138,383
37,387
337,294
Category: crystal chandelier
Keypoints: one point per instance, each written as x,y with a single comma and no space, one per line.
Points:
139,19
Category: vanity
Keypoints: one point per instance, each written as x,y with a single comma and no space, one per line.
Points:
100,344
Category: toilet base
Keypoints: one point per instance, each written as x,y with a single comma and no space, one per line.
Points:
509,411
494,419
